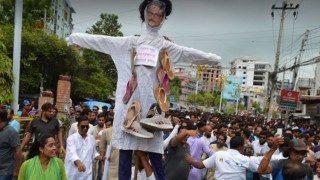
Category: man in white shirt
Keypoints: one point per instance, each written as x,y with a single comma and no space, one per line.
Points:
207,136
260,144
231,164
74,129
81,151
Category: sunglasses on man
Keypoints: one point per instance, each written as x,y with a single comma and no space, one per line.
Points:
84,126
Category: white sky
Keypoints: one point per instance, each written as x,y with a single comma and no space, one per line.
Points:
229,28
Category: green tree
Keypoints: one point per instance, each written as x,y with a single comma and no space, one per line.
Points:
275,114
33,12
43,57
229,110
6,74
257,109
89,79
195,99
216,101
175,88
107,25
208,99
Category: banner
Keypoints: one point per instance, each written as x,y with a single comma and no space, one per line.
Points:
288,100
231,88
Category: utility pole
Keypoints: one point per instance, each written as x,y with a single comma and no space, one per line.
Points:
283,8
17,53
296,67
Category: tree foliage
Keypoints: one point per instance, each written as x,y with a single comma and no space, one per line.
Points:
6,74
89,79
195,99
208,99
256,108
33,12
43,58
229,110
175,88
107,25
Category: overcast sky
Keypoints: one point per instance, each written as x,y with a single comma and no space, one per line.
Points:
229,28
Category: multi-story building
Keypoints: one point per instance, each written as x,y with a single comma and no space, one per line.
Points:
188,82
255,80
61,22
209,78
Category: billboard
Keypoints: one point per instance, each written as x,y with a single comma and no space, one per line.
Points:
288,100
231,89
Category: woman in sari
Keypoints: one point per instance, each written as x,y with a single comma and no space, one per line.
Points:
42,163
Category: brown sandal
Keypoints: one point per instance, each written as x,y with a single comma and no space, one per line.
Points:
132,114
161,98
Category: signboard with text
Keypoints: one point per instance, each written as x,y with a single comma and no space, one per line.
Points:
288,100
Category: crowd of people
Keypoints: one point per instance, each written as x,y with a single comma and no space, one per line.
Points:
142,139
200,146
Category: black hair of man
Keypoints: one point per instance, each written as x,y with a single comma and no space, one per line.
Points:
47,106
289,135
108,120
265,133
105,107
269,135
193,114
246,132
200,124
110,113
288,129
3,115
100,115
293,170
249,124
85,112
220,133
11,111
165,5
223,126
182,127
304,135
234,122
236,142
83,118
310,133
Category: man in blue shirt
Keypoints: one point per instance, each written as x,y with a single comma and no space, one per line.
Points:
12,122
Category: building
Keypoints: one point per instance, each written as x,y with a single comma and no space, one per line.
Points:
209,78
309,104
188,82
61,22
255,80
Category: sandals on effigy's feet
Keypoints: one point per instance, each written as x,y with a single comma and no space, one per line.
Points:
163,79
137,130
161,98
132,83
166,64
132,114
131,86
153,110
157,123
